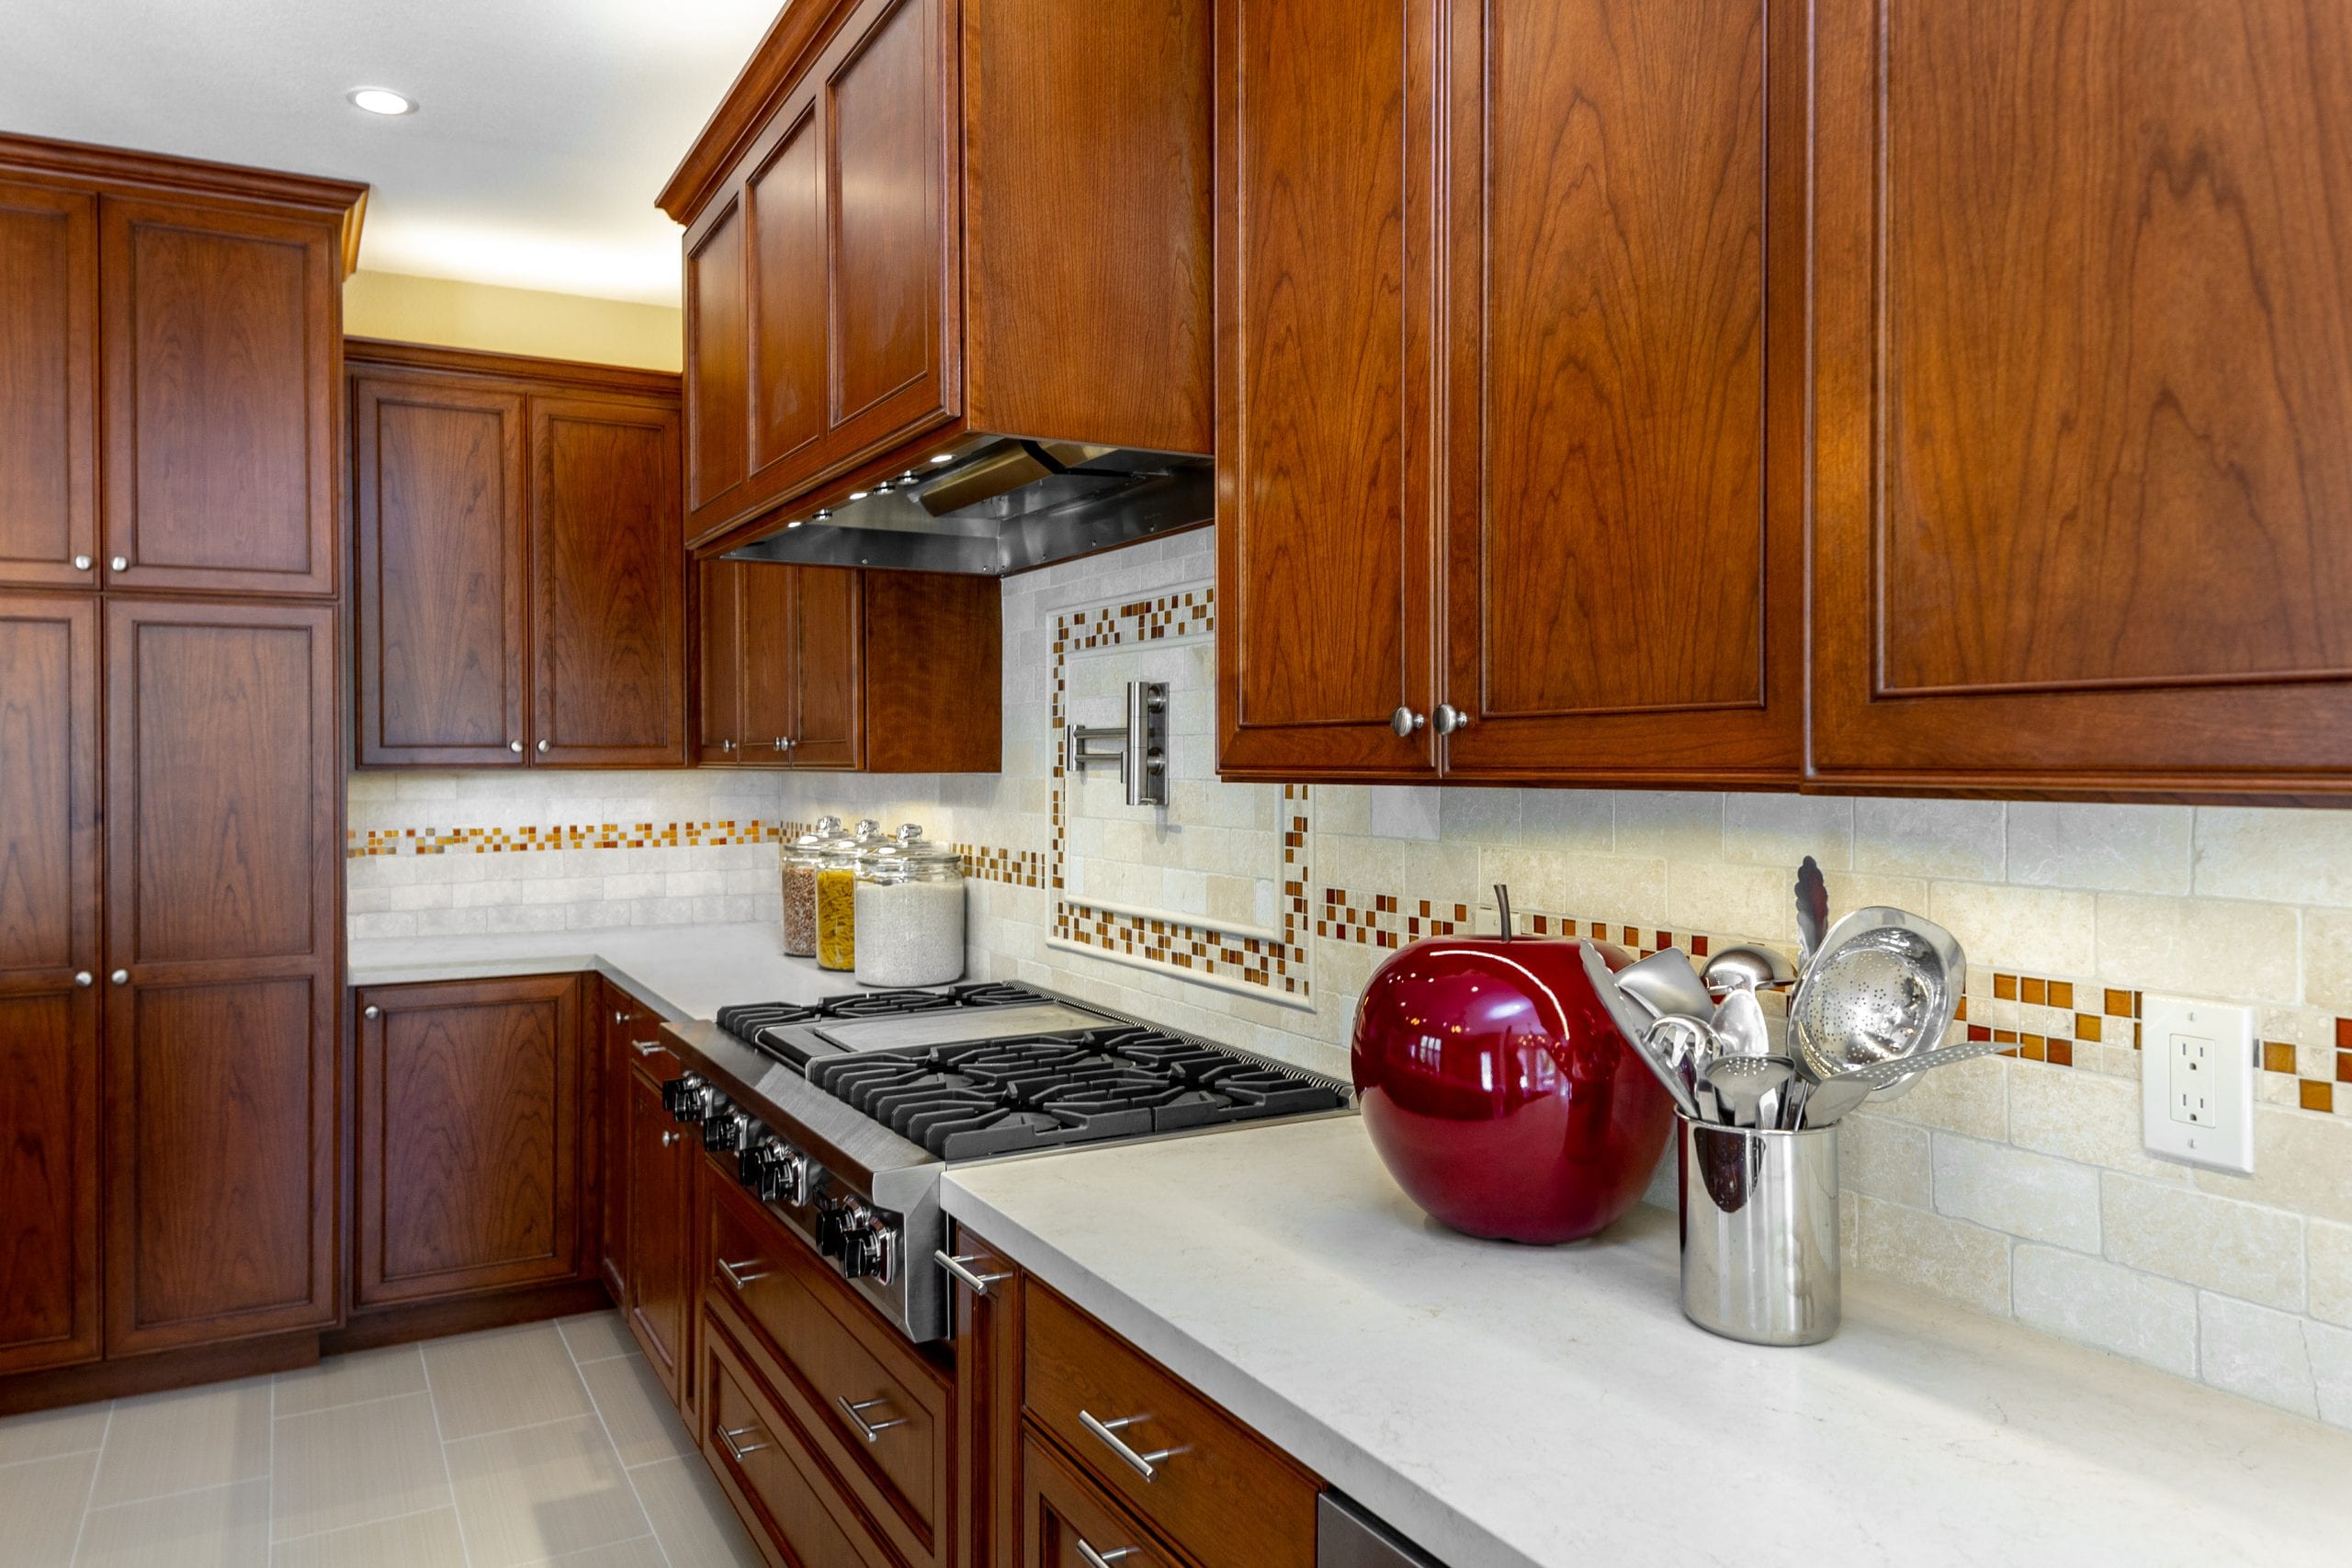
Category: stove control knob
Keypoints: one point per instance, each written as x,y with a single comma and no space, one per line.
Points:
682,1097
872,1254
726,1130
775,1171
837,1221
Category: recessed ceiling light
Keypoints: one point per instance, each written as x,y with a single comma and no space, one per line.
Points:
383,100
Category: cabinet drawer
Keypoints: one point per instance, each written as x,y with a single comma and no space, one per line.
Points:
1065,1517
761,1460
879,1412
1215,1487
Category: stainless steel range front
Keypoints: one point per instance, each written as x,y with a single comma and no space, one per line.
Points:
841,1115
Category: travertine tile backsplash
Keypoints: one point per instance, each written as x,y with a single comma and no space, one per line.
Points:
1255,913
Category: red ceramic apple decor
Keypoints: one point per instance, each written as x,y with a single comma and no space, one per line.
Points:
1499,1092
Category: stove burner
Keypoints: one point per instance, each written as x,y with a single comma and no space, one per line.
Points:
1003,1096
745,1020
748,1020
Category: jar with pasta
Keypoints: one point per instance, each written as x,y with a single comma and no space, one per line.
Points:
837,899
909,913
801,858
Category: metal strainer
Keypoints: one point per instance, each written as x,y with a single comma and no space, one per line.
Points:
1884,987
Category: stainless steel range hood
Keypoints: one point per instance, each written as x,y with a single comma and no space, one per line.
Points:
986,505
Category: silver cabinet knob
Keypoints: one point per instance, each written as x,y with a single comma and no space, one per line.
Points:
668,1139
80,563
82,978
1450,718
543,748
726,745
119,977
515,746
373,1012
1404,721
781,744
119,563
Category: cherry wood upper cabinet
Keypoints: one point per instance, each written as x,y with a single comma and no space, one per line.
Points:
519,597
881,250
224,783
49,424
746,714
50,957
473,1152
2083,368
608,582
719,662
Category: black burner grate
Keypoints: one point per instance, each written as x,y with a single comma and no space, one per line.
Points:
747,1021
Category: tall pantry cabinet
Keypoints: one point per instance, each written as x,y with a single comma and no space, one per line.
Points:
170,757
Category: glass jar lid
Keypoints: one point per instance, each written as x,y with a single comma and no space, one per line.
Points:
809,847
908,856
842,850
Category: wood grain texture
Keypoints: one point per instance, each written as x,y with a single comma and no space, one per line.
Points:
49,349
770,668
1061,1511
2084,355
784,200
717,392
470,1154
989,1505
440,498
342,203
931,669
830,680
1092,321
1326,543
718,654
624,1023
886,173
49,1252
660,1241
221,336
784,1497
607,600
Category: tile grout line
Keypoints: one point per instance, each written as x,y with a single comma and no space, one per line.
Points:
91,1490
183,1491
603,1426
368,1524
432,1402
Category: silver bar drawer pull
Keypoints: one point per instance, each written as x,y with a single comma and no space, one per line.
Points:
1145,1465
960,1266
869,1430
727,1435
740,1275
647,1047
1102,1559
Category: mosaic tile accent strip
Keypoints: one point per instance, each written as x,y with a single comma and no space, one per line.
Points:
1277,965
572,836
1014,868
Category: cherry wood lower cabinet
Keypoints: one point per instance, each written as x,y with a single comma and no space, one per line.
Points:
657,1184
630,1042
1067,1521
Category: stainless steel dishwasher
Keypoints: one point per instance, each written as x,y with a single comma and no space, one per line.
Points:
1346,1537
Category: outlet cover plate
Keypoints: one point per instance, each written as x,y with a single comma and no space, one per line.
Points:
2197,1067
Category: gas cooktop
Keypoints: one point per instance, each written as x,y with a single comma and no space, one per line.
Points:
882,1020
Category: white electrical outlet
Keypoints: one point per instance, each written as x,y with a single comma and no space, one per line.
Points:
2197,1071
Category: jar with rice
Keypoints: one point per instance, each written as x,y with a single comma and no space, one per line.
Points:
837,895
909,913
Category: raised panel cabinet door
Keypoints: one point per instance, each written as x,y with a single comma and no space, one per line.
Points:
828,655
660,1243
223,785
718,644
1066,1523
608,583
889,108
223,339
2083,322
1621,606
471,1163
784,199
768,668
716,387
1326,543
49,351
440,496
49,955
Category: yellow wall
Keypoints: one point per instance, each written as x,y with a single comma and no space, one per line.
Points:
512,321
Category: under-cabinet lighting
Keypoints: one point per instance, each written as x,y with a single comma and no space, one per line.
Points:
383,100
857,495
945,458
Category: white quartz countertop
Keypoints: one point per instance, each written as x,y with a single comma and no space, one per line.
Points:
1506,1404
681,971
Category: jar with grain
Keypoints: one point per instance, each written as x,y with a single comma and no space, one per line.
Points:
909,913
837,897
800,859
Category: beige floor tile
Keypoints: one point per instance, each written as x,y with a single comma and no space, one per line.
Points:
643,1552
492,1382
220,1527
637,1414
358,1463
540,1492
163,1443
598,1337
45,1434
348,1379
420,1541
692,1515
41,1510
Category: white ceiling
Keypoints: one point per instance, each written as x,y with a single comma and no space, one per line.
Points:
544,130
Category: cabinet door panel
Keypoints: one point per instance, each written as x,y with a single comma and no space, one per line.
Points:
49,1178
828,683
1065,1519
222,341
608,607
441,493
48,427
2084,315
770,665
1324,548
785,199
470,1169
1619,602
718,637
715,389
886,94
660,1241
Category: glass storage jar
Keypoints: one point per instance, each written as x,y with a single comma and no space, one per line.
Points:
909,913
837,897
801,858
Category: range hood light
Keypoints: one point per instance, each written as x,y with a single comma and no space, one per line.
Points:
794,524
823,513
945,458
858,494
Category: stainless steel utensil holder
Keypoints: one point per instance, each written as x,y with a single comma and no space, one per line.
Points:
1759,1233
